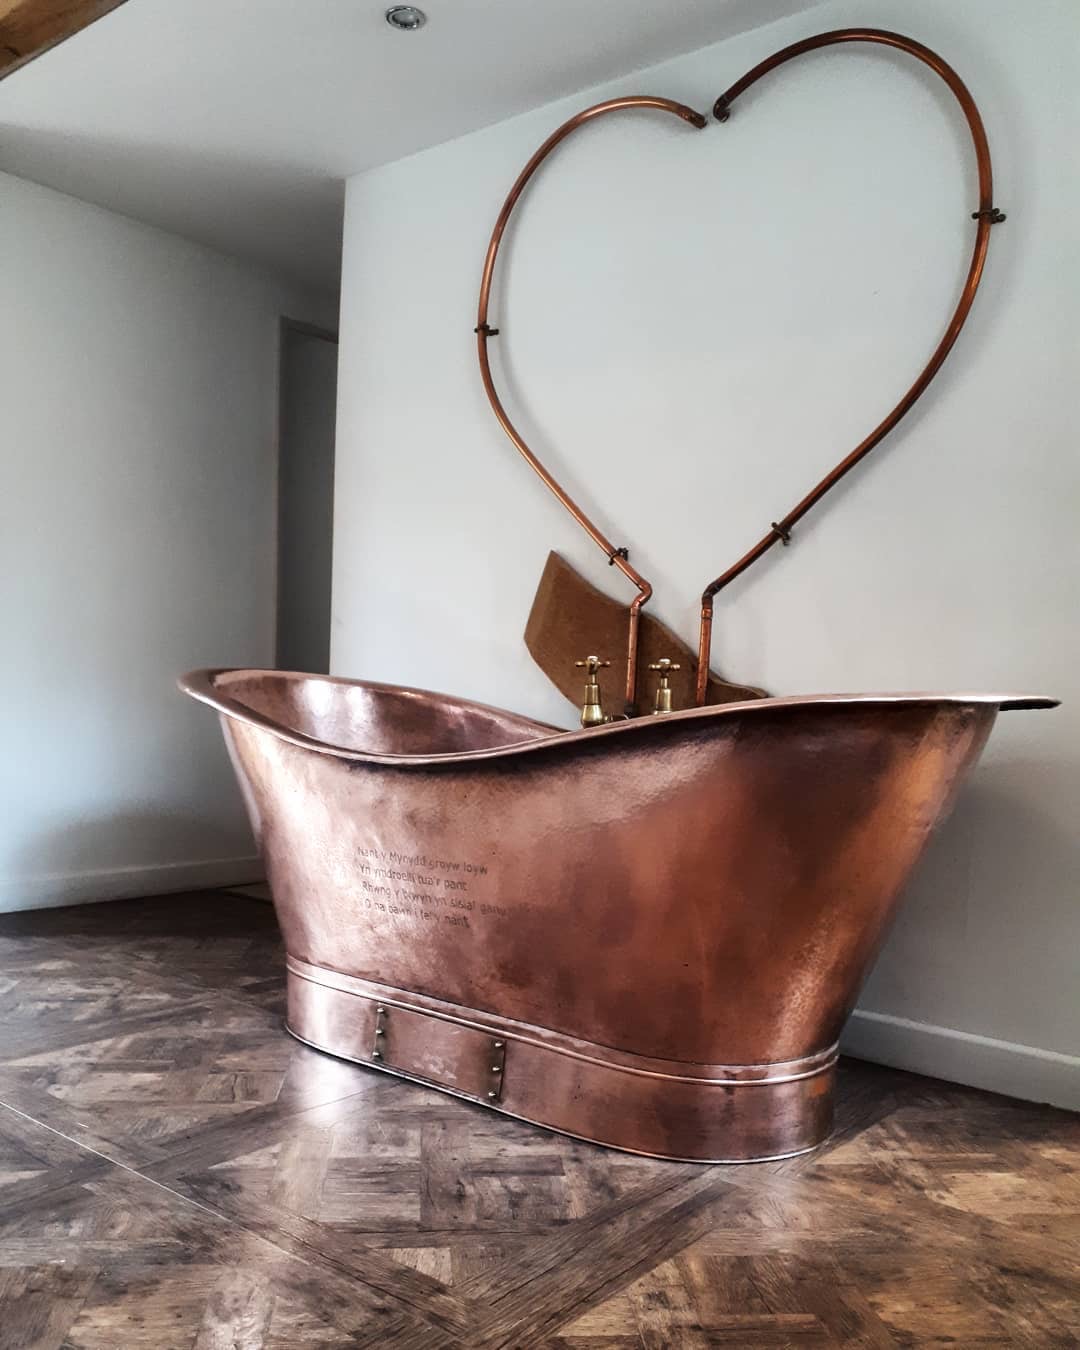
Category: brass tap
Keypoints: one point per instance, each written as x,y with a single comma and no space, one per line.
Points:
592,713
663,689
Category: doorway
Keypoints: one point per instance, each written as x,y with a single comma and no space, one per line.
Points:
308,393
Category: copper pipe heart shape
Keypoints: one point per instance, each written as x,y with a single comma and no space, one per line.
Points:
780,531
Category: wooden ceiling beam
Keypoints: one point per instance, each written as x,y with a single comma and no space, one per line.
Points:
30,27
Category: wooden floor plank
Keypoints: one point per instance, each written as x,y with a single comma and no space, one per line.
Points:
176,1171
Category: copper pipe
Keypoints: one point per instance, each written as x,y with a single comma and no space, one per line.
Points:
484,332
986,215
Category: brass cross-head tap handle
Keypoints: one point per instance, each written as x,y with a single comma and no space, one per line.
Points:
663,689
592,713
592,664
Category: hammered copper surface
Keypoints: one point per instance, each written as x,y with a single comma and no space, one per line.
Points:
707,889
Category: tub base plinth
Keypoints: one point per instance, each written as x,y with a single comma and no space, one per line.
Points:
714,1113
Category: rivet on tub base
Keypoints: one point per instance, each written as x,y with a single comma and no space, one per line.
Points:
666,1109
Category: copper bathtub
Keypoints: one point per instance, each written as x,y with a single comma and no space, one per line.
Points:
647,934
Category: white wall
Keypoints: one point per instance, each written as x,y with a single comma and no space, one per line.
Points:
136,541
696,325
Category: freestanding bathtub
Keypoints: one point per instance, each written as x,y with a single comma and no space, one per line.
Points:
647,934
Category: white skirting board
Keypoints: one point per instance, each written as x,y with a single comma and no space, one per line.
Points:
961,1057
125,883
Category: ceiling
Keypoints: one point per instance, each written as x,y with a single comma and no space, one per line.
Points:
235,122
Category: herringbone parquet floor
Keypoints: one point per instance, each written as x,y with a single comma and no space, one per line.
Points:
178,1174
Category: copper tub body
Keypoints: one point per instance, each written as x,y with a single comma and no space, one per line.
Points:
646,935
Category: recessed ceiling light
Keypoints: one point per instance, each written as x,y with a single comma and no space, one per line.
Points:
406,17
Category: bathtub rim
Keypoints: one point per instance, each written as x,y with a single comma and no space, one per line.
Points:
201,685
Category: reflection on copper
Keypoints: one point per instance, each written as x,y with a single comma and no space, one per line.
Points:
985,215
647,934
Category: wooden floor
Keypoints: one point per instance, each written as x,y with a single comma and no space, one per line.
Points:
176,1172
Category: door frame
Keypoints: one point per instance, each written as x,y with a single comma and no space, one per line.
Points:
287,325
